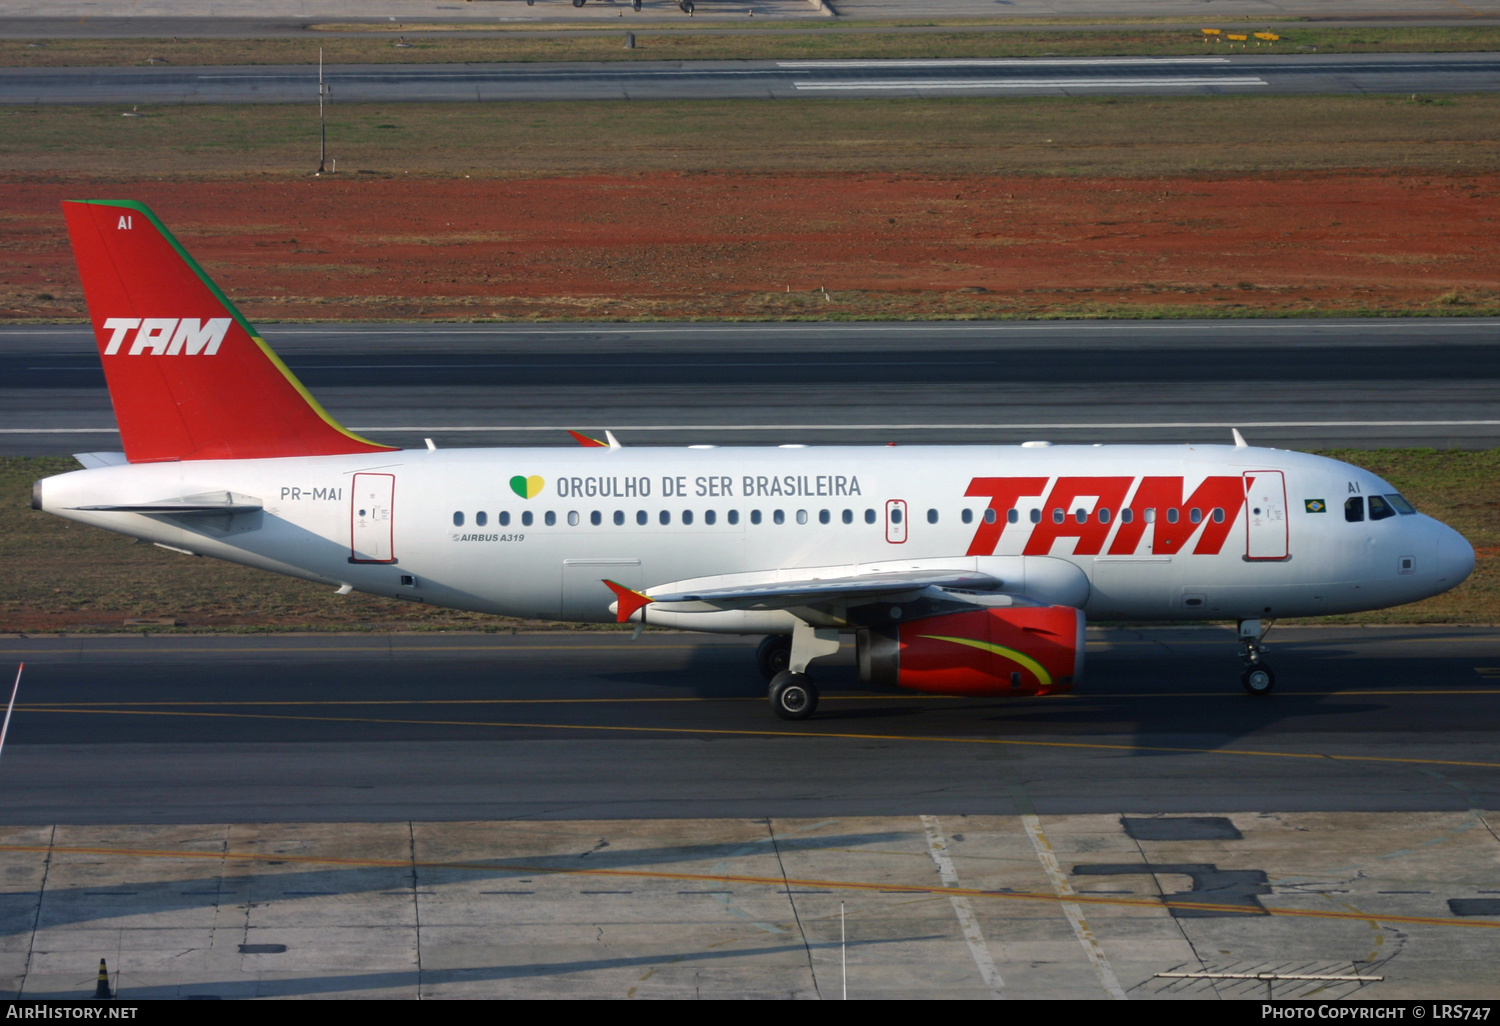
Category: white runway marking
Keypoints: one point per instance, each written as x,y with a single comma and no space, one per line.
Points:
1035,83
937,847
1081,928
1005,62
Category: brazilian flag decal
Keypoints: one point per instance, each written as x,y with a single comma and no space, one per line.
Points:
1315,505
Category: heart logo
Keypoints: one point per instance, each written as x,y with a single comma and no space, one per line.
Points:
527,487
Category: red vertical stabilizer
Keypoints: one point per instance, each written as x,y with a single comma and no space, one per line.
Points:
189,377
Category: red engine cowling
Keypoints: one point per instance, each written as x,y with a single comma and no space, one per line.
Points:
1028,650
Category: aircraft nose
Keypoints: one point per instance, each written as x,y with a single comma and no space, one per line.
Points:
1455,557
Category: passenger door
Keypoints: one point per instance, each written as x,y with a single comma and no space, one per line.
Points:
1267,532
372,527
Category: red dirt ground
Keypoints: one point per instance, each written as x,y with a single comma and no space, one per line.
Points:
731,245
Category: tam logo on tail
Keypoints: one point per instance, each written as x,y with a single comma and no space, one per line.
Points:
242,404
166,336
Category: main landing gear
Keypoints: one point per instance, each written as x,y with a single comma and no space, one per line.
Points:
792,696
1258,678
783,661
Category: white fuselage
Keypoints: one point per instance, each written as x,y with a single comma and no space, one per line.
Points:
454,527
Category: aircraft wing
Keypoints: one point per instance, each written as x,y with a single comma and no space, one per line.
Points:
787,594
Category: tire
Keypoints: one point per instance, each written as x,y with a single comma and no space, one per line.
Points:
792,696
1258,679
687,6
774,655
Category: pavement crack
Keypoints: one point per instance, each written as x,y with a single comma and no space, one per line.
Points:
37,917
416,902
781,867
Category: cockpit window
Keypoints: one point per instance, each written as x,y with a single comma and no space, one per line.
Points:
1403,507
1354,509
1380,509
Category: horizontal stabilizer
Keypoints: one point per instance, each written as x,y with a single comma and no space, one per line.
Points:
209,504
95,460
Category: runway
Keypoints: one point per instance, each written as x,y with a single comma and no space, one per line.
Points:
726,80
1299,384
595,726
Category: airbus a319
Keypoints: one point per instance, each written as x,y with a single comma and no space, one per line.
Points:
956,569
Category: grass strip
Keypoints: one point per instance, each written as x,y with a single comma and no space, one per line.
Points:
656,44
64,576
1082,136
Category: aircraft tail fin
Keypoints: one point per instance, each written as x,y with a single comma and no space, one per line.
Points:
189,377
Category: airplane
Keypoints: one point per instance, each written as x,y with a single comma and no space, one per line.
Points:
957,569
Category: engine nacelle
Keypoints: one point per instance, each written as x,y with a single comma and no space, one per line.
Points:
1021,650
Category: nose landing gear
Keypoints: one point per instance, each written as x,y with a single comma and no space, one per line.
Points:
1257,678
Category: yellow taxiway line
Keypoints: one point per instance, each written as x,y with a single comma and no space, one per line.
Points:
745,732
768,881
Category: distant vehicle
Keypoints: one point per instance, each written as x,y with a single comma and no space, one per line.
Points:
956,569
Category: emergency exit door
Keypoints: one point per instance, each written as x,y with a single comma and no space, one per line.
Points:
372,528
1266,528
895,521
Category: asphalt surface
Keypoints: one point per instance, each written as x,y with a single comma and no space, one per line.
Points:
594,726
707,80
1296,384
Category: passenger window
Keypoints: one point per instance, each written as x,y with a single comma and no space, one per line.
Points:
619,518
1104,515
1403,507
1058,516
755,516
734,516
641,517
551,518
504,519
824,516
778,517
1172,515
572,518
895,514
1127,515
1354,509
481,518
664,517
1150,515
1036,516
709,516
989,516
967,516
1379,508
1012,516
932,516
458,520
596,518
1081,515
802,516
526,519
848,516
869,516
687,516
1218,515
1195,515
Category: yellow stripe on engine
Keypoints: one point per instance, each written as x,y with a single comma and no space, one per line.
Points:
1042,676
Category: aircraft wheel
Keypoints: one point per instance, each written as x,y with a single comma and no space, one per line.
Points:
687,6
578,3
792,696
1258,679
636,5
774,655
